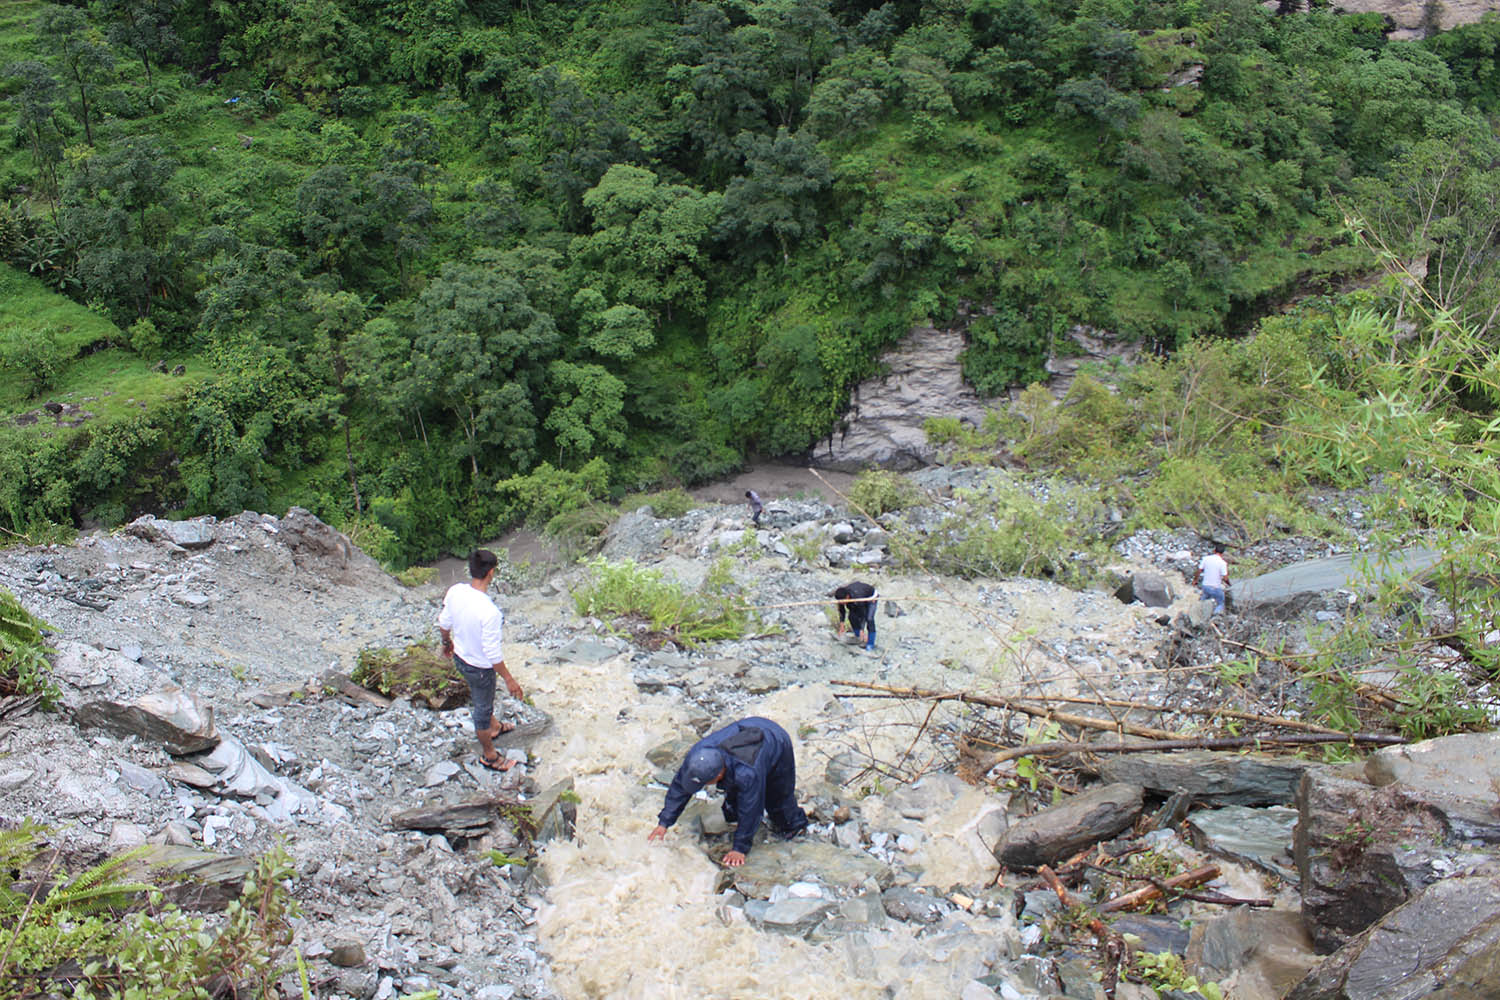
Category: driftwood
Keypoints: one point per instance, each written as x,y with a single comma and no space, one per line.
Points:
1023,706
1111,944
1207,743
1158,888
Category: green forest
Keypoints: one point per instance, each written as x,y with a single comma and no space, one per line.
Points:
434,267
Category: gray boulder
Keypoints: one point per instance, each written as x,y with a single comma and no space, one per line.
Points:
1287,592
906,904
170,717
198,533
1221,779
1361,852
1444,944
1068,828
1466,765
1151,589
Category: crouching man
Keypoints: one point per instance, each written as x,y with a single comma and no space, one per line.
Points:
751,760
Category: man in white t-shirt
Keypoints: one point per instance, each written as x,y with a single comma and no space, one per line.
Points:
471,628
1213,577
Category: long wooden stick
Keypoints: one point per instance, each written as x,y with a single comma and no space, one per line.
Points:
1228,713
1187,880
1221,743
1018,705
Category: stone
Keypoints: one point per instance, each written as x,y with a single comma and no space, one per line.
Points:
1151,589
1465,765
1154,932
124,836
192,599
1261,838
439,773
464,814
1287,592
777,864
1408,19
921,378
865,912
1067,828
555,812
1360,853
1267,948
198,533
910,906
346,953
170,717
15,778
928,796
584,651
1224,779
790,916
1444,943
207,881
148,782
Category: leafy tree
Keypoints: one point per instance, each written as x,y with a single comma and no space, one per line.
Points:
587,414
145,27
83,54
777,199
36,100
480,355
578,137
647,243
119,213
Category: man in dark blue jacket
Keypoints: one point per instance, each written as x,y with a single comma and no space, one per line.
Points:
752,761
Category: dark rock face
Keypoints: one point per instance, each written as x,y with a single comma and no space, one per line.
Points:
1249,780
1066,829
1361,852
1444,943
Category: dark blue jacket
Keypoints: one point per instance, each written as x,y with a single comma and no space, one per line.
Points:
746,772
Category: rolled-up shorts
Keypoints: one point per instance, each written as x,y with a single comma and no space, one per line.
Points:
481,693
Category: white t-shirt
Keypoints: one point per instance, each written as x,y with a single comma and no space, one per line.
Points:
475,623
1214,570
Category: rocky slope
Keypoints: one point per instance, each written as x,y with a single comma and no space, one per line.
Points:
238,630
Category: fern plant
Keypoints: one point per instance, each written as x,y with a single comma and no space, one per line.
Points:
23,652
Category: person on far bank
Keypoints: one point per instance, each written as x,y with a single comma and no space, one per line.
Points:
470,625
856,601
1213,577
752,761
756,507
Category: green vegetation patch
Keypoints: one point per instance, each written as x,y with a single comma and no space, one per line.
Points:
416,673
653,609
23,653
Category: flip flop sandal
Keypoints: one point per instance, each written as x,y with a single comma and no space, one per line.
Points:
497,763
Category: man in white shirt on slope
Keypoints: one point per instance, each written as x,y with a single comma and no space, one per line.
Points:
1213,577
471,628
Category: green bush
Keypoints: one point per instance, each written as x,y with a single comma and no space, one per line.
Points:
665,504
632,594
23,653
876,491
1004,530
545,492
109,935
417,673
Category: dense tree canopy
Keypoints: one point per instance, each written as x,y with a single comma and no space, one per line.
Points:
419,247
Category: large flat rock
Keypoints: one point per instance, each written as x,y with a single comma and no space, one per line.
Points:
1221,779
1286,592
1466,765
1444,944
171,717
